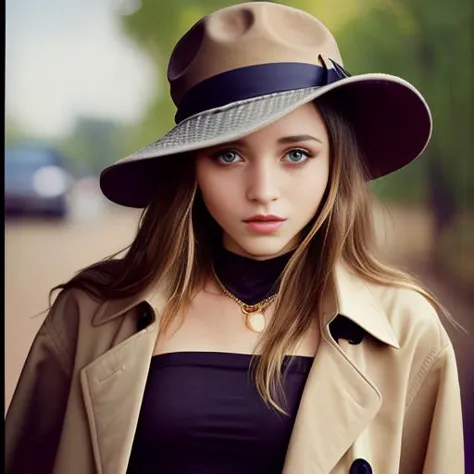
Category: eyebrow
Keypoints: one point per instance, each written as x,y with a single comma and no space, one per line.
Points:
283,140
298,138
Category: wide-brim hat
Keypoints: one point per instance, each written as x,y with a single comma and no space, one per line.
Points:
246,66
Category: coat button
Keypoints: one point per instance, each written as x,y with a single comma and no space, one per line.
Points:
360,466
145,317
343,328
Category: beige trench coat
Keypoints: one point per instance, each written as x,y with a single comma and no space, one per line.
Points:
393,399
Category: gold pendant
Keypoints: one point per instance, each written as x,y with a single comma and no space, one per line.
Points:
255,321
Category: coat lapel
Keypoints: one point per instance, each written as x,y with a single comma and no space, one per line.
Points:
113,387
337,405
339,400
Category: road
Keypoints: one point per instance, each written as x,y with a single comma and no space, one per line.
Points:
40,254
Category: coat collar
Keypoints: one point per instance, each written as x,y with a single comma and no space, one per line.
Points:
111,309
338,403
354,299
351,297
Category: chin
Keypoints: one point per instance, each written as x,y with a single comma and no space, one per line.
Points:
264,248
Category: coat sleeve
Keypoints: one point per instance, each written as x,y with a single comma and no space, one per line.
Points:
433,429
35,415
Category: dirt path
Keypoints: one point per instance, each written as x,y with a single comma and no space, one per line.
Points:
38,256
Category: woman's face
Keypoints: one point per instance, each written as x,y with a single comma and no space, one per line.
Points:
263,189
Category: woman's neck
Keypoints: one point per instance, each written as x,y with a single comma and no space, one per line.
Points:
248,279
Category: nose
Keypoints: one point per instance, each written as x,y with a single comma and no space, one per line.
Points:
262,184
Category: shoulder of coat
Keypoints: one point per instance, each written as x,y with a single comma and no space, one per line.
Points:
76,306
415,320
71,307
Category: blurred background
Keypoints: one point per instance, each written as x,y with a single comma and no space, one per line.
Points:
86,85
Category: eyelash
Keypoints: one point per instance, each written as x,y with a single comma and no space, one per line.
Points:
308,154
217,155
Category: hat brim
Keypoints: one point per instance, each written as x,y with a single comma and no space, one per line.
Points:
391,120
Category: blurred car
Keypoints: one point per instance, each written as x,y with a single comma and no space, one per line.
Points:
37,181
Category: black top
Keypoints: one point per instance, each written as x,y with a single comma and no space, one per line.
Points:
201,414
248,279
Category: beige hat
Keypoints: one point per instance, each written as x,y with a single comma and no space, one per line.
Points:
246,66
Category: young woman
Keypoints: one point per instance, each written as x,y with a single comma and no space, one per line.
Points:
250,327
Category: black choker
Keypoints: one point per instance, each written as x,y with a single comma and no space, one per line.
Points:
251,281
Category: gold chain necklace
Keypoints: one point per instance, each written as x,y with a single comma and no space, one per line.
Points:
254,314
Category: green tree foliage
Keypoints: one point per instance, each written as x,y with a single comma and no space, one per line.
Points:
94,144
13,132
429,43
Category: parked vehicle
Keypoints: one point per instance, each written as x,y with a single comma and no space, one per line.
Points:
36,181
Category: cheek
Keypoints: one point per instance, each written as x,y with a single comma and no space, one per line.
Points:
309,189
218,194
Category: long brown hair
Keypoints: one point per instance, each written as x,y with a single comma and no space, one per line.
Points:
176,235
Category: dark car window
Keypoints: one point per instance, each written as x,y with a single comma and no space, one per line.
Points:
29,158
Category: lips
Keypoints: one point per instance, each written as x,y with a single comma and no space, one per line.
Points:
265,218
264,224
